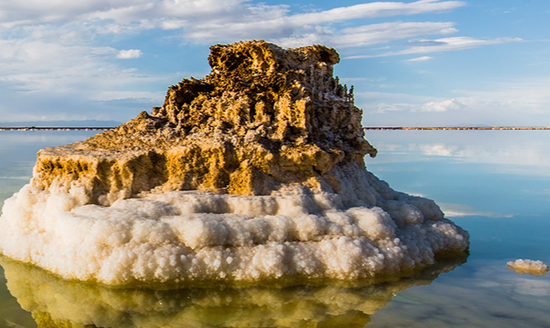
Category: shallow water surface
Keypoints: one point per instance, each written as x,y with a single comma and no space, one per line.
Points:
495,184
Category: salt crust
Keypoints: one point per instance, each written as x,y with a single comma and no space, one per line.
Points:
185,236
536,268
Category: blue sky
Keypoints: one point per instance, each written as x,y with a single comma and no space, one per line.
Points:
412,63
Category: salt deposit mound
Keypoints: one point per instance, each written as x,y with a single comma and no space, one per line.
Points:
254,173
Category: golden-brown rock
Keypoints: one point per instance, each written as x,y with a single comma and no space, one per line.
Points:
265,118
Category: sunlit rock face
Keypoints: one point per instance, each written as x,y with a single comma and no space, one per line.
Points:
56,302
254,173
263,120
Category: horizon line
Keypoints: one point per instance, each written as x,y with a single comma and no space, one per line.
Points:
456,128
58,128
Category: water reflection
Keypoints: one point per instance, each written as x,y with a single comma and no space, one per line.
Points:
482,293
497,174
508,152
55,302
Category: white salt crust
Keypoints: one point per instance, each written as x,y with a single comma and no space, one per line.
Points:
537,268
184,236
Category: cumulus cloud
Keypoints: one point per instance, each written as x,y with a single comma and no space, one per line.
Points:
220,12
395,107
62,33
387,102
308,27
60,79
418,59
23,61
442,106
443,44
57,47
224,21
129,54
517,103
368,35
453,43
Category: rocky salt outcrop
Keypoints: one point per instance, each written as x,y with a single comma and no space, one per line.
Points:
263,119
253,174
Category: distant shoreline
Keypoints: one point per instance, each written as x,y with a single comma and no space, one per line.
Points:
54,128
456,128
100,128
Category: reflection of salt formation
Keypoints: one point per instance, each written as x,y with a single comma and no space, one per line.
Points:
56,302
536,268
254,173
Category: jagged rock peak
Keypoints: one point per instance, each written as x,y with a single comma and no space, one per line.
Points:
267,58
286,94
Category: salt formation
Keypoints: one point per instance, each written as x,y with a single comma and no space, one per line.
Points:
254,173
536,268
56,302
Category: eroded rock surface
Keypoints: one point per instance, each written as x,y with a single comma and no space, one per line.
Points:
263,119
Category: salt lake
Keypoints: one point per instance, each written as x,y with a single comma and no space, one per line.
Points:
495,184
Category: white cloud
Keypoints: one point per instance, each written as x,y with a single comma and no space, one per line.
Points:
385,102
374,9
531,96
55,47
30,12
24,12
394,107
508,103
385,32
439,45
442,106
120,95
366,35
452,44
418,59
129,54
59,79
23,62
205,21
308,28
378,9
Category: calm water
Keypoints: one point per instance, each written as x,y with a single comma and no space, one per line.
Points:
495,184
